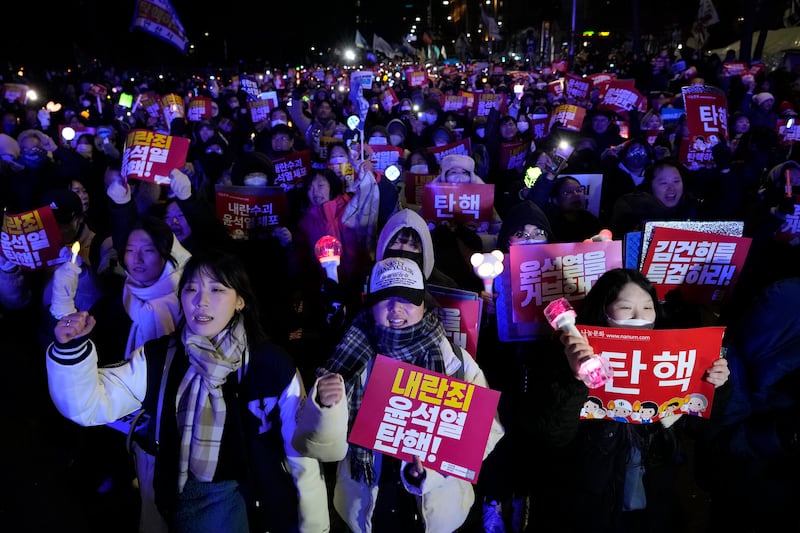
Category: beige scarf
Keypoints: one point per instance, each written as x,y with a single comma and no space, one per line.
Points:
200,405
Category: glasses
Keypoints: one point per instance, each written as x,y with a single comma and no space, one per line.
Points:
535,234
570,192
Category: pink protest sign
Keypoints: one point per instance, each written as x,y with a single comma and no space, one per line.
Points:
250,212
460,314
707,124
546,272
576,88
415,412
150,156
453,102
292,169
656,373
458,202
621,96
31,239
540,126
485,102
173,107
704,266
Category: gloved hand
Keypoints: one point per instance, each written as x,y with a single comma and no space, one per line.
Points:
119,193
65,286
283,235
44,118
179,184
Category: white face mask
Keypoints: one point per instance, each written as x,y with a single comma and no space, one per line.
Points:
379,141
337,160
418,169
637,323
84,149
256,179
276,122
522,127
428,118
395,139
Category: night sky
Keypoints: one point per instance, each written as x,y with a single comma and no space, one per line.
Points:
75,32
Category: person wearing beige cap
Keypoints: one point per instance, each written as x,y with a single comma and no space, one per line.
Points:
761,111
373,491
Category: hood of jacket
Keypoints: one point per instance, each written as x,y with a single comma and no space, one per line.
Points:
408,218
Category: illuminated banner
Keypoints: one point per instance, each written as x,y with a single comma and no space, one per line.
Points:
512,155
415,185
704,266
415,412
292,169
570,116
458,202
460,314
707,124
545,272
199,108
384,155
150,156
657,373
250,212
31,239
463,147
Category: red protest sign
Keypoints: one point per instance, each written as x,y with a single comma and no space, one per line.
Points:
150,156
389,99
414,186
556,89
485,102
704,266
546,272
199,108
292,169
734,69
15,93
790,229
570,116
707,124
620,96
249,212
259,109
31,239
458,202
460,314
454,102
418,413
540,126
656,373
576,88
173,107
463,147
512,155
384,155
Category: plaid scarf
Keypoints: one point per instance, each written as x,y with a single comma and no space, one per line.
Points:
200,405
418,345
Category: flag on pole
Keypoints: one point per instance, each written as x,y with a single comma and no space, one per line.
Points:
380,45
159,19
361,42
492,29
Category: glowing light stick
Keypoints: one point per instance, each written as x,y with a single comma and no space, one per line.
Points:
594,371
487,266
328,250
76,247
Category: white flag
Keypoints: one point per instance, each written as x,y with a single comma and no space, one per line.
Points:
492,29
380,45
360,41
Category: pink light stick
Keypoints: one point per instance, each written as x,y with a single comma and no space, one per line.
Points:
594,371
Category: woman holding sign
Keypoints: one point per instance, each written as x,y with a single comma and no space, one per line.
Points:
629,472
375,491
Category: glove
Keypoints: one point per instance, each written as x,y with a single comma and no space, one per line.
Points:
65,286
119,193
179,184
44,118
283,235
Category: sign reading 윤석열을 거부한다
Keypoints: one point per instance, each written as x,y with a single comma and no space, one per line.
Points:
444,421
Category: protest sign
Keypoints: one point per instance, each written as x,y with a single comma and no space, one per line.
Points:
706,124
458,202
292,169
656,373
31,239
460,314
250,212
150,156
416,412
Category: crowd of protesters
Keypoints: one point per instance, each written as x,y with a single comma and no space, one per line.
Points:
143,244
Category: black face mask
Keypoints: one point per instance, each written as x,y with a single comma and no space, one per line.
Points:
414,256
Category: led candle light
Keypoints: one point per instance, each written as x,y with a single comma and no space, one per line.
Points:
594,371
76,247
487,266
328,250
